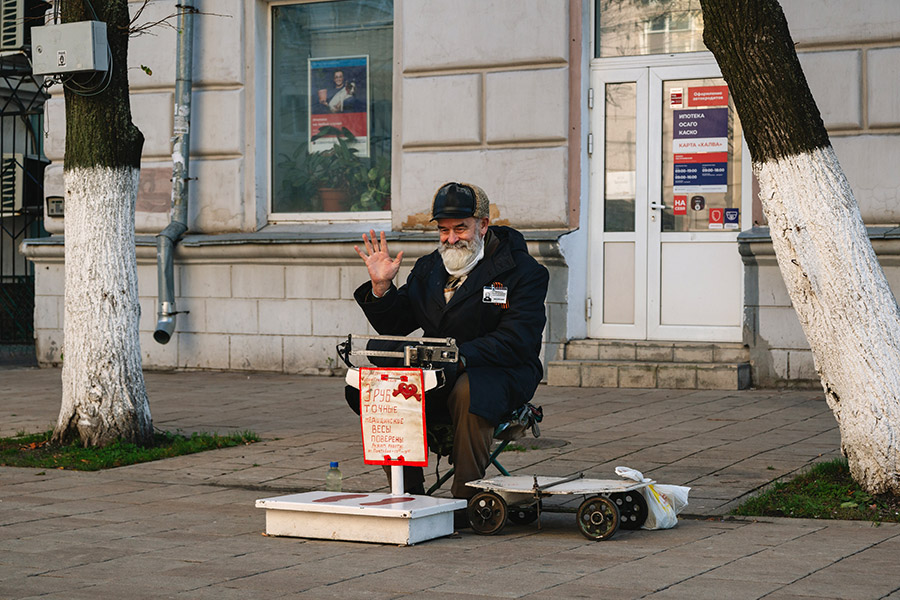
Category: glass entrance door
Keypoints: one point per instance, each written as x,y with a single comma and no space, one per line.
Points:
670,192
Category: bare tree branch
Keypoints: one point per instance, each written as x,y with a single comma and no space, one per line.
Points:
135,29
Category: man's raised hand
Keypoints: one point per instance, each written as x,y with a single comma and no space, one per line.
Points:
382,268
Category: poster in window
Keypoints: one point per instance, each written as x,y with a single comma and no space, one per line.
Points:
339,97
700,146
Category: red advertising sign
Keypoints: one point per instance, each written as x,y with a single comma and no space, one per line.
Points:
703,157
716,218
711,95
679,206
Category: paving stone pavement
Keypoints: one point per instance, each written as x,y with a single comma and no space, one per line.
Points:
186,527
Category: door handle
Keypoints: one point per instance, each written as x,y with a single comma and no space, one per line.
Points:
657,206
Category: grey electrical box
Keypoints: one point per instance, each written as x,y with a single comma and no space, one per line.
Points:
69,48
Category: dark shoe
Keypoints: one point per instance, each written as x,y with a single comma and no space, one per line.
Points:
416,490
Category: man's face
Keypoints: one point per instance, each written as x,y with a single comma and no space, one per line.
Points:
461,240
338,78
466,230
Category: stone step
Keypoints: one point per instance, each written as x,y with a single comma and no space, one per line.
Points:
649,374
657,351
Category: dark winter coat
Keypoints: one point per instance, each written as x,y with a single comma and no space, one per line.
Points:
501,344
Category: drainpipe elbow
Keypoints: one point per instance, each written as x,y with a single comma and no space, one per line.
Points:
173,231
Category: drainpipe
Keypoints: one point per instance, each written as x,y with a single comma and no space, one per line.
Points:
168,237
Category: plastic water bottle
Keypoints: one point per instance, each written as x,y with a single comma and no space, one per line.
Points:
333,478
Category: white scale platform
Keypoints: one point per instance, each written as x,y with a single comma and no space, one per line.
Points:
360,517
394,518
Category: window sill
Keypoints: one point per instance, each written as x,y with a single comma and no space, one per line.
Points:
310,221
328,225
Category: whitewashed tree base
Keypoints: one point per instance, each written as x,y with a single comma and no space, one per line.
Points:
353,517
844,304
104,397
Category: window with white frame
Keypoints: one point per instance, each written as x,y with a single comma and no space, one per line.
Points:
638,27
332,65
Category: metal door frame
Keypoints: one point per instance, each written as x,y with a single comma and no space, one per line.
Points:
649,73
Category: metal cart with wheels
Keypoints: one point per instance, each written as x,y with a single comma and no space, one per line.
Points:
609,504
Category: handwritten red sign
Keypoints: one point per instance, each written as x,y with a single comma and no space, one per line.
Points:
392,416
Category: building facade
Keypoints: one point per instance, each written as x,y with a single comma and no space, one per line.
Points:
599,128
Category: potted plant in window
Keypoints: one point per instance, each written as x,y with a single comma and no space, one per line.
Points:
338,173
377,180
300,176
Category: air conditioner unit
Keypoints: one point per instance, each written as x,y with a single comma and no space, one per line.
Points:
12,20
21,183
16,19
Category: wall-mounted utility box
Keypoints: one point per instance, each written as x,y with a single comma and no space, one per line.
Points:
69,48
56,206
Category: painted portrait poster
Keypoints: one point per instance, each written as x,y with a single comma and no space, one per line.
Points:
339,97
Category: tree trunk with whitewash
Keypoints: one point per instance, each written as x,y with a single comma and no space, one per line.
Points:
836,285
104,396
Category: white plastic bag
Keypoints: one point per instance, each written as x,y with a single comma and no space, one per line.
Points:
660,514
664,502
633,474
675,495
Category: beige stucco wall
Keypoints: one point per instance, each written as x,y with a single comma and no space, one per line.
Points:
479,97
221,130
836,21
856,91
472,103
484,99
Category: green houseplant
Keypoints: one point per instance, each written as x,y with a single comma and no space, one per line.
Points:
337,173
377,180
336,179
299,180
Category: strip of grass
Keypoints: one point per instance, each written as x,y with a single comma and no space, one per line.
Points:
825,491
36,450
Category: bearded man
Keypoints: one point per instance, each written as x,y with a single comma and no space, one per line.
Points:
481,287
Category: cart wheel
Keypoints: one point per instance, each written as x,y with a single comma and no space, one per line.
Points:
632,508
523,515
598,518
487,513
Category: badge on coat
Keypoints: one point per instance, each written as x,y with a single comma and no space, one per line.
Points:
496,293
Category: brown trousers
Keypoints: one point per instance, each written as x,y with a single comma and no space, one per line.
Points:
472,438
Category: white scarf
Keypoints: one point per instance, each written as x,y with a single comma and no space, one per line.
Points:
465,269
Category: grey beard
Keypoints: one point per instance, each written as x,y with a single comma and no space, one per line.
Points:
461,254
